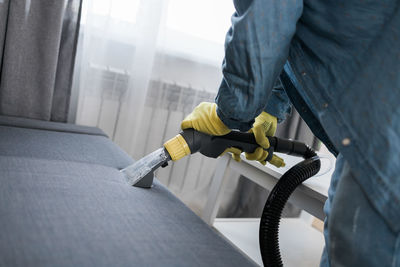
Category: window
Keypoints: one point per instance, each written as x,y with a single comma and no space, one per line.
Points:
122,10
196,29
206,19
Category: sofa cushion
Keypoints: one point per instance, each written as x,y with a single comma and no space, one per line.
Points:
63,202
49,125
54,145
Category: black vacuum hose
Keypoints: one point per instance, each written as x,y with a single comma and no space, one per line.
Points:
213,146
271,216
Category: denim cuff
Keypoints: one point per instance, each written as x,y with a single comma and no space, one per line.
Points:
234,124
279,104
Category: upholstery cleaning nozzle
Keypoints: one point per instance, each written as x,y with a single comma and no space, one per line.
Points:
190,141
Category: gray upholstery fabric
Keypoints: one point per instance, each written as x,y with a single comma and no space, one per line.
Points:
51,126
51,145
37,52
63,202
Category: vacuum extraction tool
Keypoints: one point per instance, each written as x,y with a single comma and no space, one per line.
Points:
190,141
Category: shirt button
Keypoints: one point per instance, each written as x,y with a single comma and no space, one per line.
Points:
325,105
304,73
346,141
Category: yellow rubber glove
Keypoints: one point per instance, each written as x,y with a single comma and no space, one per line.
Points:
204,119
235,153
264,125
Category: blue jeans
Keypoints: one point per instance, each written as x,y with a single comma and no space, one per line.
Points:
355,233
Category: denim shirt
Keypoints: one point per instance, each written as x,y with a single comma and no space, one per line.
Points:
342,73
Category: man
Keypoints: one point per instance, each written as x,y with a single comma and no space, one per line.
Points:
338,62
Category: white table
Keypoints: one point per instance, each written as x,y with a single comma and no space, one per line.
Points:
293,234
310,196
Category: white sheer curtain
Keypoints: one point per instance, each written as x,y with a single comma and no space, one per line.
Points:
142,66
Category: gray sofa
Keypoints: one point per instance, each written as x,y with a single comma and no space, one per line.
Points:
63,202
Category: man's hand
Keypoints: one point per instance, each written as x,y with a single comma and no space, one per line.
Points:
204,119
264,125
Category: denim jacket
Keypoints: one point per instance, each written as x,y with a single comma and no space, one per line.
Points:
339,64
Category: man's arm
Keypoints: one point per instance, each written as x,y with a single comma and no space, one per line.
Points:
279,104
256,48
